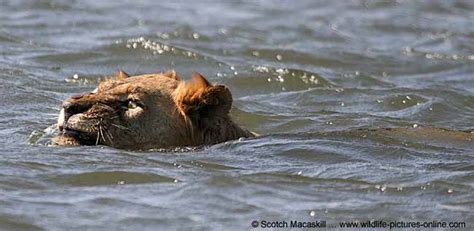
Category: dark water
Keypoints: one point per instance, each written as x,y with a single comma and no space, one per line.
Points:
297,69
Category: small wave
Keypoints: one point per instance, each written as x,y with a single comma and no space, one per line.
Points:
410,51
110,178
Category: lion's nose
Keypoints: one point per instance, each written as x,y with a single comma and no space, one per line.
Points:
75,105
72,106
69,107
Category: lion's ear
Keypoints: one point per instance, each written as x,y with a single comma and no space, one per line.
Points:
121,75
199,99
171,74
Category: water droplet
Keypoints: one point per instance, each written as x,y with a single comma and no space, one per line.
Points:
312,213
165,36
299,173
262,69
269,79
404,101
223,31
236,73
176,181
342,104
232,67
281,71
450,191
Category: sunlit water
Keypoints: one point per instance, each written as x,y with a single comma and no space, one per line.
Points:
299,72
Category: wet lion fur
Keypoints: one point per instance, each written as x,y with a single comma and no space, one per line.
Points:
150,111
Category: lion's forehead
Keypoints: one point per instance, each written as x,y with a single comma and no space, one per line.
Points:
147,84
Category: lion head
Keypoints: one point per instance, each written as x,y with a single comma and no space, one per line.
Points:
149,111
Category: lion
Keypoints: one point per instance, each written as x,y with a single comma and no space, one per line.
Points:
149,111
162,111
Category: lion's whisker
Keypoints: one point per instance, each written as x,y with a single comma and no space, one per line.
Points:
109,136
98,137
120,126
101,133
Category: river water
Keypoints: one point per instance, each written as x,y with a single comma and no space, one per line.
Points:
303,73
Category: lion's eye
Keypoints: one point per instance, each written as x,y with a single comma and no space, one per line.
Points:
131,104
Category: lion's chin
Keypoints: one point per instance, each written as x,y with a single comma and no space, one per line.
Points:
65,140
73,138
